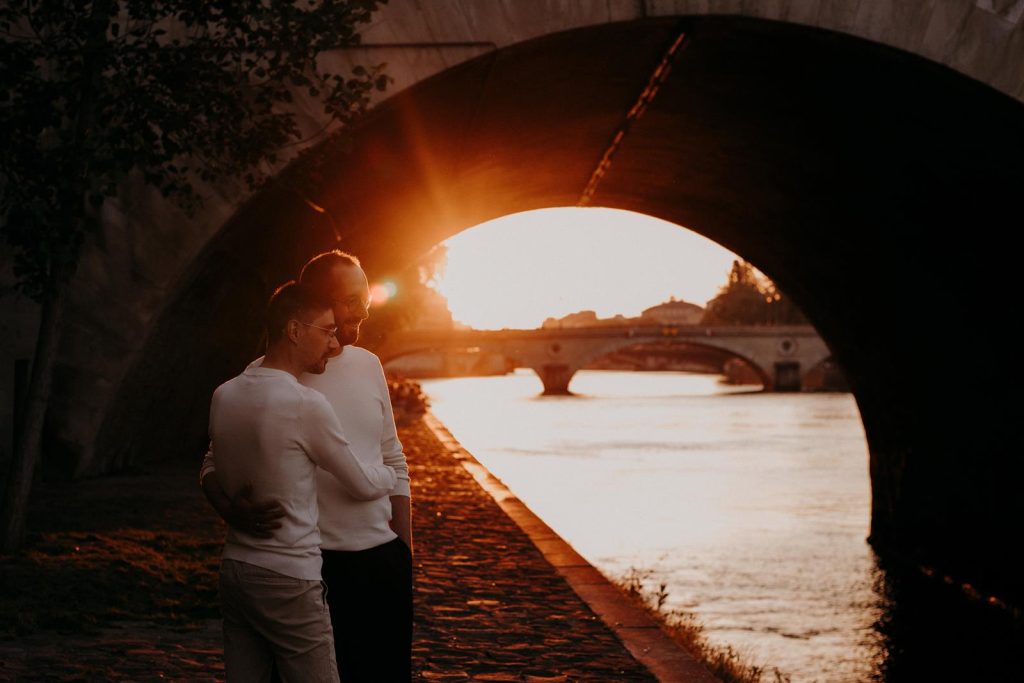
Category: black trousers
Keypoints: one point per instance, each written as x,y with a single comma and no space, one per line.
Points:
369,593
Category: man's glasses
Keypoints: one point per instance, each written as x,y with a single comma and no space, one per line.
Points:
353,304
332,332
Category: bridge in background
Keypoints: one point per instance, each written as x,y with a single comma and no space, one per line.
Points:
781,355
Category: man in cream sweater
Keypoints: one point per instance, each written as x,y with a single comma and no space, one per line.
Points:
272,437
367,545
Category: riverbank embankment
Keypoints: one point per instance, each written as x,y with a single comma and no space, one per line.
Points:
118,582
637,630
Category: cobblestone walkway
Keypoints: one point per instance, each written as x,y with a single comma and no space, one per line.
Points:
488,606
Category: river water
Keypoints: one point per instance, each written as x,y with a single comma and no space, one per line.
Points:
751,508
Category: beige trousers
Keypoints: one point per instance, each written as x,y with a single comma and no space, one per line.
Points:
272,618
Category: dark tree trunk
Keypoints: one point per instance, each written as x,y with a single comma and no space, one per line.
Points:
28,446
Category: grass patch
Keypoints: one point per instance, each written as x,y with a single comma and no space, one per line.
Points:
73,582
139,547
685,628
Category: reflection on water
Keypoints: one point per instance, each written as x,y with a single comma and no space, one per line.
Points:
753,508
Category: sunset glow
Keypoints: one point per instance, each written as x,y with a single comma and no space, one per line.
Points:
517,270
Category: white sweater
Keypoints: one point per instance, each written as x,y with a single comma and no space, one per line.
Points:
355,388
272,432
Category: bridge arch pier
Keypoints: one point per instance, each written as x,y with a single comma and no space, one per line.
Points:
556,378
786,376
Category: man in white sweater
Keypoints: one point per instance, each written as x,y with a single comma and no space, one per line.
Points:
367,545
273,438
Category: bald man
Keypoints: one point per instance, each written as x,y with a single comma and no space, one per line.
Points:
366,545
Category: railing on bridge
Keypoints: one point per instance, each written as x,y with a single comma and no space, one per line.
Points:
611,331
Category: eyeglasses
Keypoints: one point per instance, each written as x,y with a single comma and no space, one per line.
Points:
353,303
332,332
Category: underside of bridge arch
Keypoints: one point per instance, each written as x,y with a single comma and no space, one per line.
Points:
877,189
717,355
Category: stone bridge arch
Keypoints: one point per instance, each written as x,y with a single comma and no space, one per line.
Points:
681,348
839,166
757,366
556,374
980,39
781,356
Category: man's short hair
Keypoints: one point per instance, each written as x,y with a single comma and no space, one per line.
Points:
317,274
292,301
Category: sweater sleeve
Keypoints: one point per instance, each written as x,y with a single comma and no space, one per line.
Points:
209,464
390,446
326,446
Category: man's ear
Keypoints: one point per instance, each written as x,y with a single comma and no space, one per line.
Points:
293,330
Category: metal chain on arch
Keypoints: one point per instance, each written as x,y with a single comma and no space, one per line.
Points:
647,96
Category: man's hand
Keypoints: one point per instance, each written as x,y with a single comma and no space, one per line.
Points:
257,518
254,517
401,519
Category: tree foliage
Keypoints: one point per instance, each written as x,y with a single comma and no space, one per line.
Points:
749,298
178,91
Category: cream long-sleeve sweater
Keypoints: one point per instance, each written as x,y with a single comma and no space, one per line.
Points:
356,390
280,436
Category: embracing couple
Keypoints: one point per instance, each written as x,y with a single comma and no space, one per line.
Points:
306,468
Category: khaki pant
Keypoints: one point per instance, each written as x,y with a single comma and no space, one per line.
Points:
270,617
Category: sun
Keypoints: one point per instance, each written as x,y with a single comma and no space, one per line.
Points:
515,271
